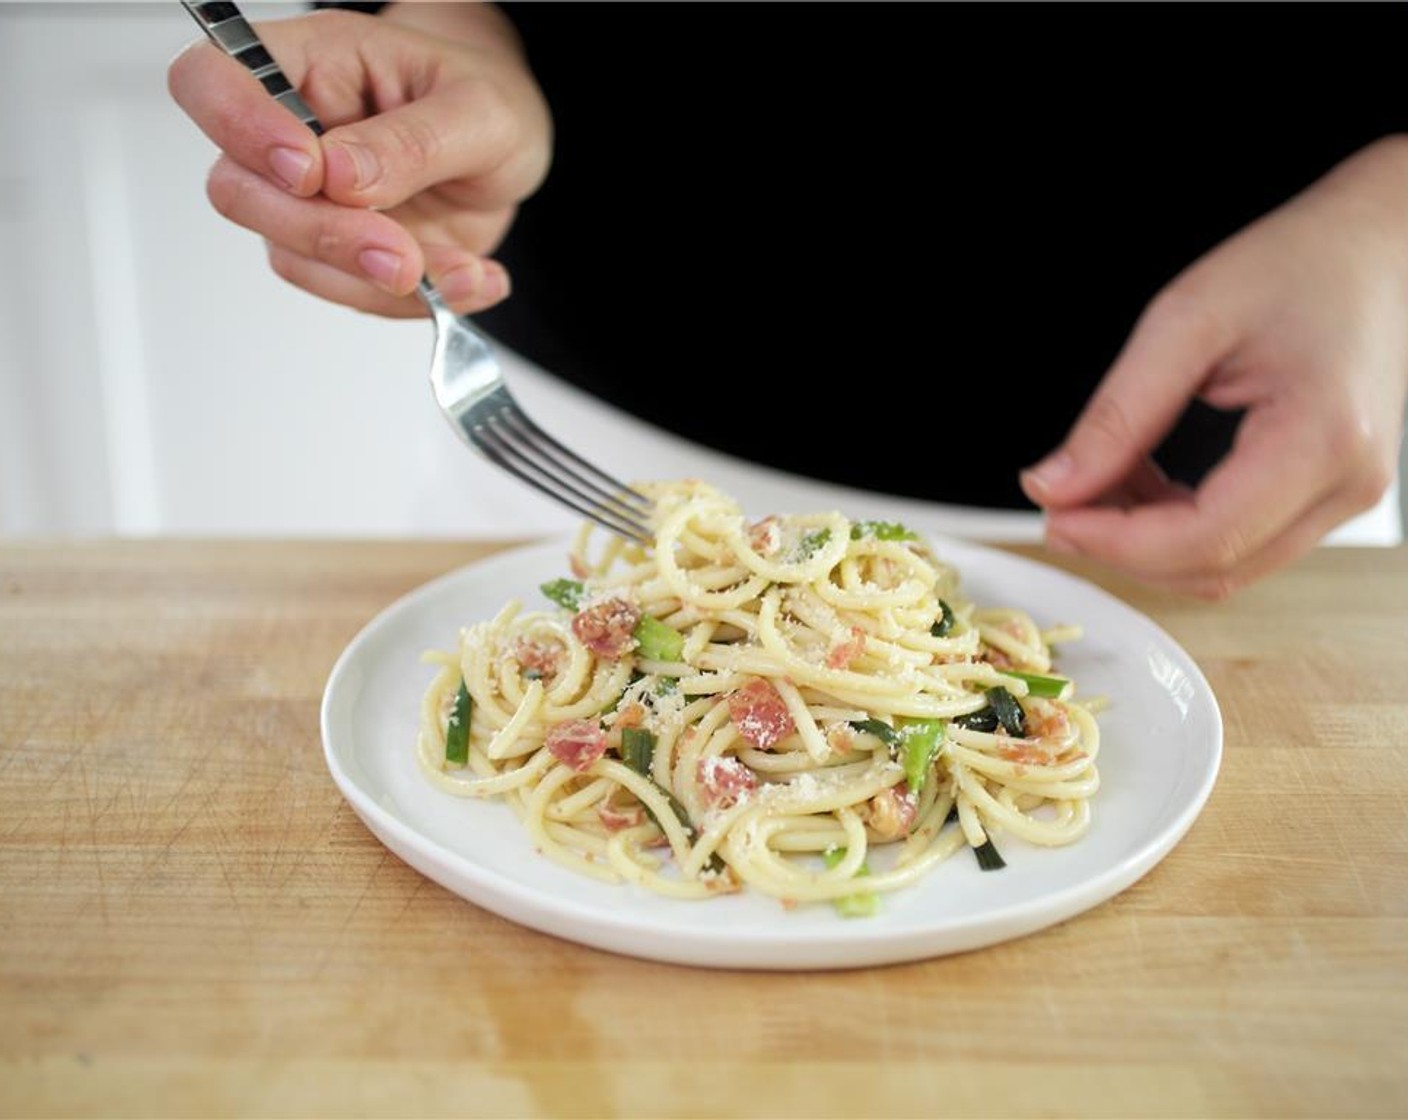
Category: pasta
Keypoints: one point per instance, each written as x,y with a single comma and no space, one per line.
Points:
802,705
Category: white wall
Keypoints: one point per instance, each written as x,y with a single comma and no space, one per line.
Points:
155,377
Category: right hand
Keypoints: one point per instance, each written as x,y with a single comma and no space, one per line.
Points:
436,131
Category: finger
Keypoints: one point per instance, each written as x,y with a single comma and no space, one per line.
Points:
1173,349
1269,481
1301,538
483,283
362,243
336,286
249,126
1147,483
462,131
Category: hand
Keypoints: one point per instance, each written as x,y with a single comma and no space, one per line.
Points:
436,131
1301,319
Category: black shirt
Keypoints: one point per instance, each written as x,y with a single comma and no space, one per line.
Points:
896,245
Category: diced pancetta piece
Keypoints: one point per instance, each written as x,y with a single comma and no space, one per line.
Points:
843,652
765,536
615,819
760,714
576,743
539,657
725,780
607,627
891,813
1047,721
841,737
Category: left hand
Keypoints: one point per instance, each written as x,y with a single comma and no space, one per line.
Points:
1301,319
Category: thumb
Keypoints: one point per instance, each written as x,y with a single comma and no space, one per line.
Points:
1174,347
461,131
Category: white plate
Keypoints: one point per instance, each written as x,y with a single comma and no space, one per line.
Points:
1161,746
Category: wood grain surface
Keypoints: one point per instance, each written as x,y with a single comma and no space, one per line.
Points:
194,923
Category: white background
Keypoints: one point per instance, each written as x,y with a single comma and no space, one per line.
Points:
157,378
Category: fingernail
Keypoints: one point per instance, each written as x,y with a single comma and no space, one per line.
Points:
496,282
482,282
383,266
1050,472
290,166
366,166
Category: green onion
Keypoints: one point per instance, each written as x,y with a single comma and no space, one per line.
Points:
989,858
984,719
657,641
1055,688
882,731
1008,711
1002,710
812,543
716,863
862,904
638,749
941,628
882,531
922,740
564,592
457,728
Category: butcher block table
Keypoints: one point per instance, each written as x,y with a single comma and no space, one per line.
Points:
194,922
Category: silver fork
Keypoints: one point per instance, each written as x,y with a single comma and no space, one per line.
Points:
464,371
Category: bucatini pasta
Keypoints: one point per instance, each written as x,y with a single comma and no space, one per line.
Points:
801,705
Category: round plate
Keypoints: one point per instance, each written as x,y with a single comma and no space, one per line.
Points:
1161,745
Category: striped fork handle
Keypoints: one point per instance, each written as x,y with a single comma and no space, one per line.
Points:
231,32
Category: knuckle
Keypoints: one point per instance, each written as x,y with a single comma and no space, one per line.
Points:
226,191
1350,440
284,264
1220,552
1216,588
1370,483
330,242
1109,421
415,145
1181,308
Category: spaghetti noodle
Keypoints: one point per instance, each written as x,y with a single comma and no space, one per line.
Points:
803,705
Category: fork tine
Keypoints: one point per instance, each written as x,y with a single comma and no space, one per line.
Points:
631,501
514,456
509,458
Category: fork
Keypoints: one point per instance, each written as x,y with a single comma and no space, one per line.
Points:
464,371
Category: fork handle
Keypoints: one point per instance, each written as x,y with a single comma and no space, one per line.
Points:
231,32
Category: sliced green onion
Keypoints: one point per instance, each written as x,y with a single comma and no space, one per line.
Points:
862,904
716,863
638,749
984,719
457,728
1053,688
941,628
811,544
564,592
881,730
657,641
1008,711
989,858
882,531
922,740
